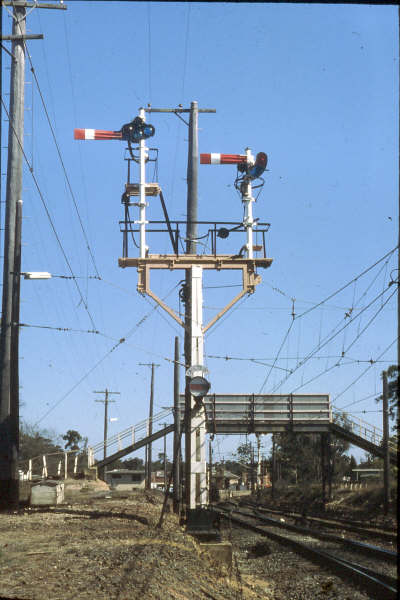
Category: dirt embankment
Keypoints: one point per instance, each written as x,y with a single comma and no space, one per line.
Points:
359,504
104,548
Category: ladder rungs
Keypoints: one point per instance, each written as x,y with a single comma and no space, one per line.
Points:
133,189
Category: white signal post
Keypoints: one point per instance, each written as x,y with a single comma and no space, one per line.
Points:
142,186
215,158
198,483
248,200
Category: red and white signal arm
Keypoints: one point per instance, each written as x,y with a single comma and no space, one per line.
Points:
199,386
96,134
214,158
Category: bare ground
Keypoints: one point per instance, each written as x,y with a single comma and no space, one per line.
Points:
103,548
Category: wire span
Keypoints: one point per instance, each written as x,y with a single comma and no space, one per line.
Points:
49,218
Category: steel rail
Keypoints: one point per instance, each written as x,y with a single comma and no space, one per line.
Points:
391,581
387,535
375,551
373,582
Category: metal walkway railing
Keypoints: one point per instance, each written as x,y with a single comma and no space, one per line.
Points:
366,431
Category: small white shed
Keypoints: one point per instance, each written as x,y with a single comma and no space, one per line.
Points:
125,479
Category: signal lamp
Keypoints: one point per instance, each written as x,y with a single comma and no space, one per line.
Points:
223,233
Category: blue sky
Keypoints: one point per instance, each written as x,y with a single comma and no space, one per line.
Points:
316,88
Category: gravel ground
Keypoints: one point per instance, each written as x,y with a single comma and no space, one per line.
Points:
110,548
289,576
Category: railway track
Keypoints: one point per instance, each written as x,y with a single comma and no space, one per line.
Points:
376,583
329,523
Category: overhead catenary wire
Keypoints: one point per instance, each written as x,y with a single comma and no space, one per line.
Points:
59,328
362,374
326,341
258,359
103,358
49,218
349,283
339,363
277,356
359,400
294,316
316,305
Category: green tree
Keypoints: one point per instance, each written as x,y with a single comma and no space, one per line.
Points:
136,464
352,465
243,453
393,392
35,442
339,447
73,440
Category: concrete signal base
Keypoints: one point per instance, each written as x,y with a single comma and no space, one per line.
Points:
219,553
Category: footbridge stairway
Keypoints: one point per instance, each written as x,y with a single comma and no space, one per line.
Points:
131,439
365,436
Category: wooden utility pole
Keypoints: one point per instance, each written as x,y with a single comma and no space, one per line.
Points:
210,467
258,461
386,459
165,461
105,401
252,469
9,333
331,464
150,427
177,433
323,467
273,470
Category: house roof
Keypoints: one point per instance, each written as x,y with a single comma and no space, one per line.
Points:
227,474
124,471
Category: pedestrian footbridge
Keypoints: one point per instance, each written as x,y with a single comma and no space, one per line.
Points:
249,413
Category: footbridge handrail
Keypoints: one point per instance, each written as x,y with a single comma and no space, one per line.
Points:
371,433
130,435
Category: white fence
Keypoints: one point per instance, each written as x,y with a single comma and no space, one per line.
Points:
55,464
